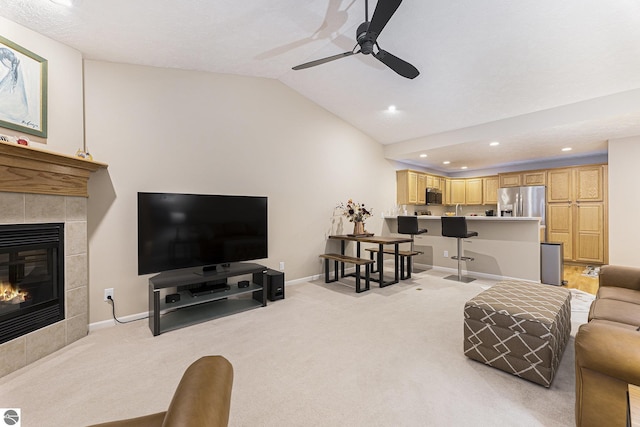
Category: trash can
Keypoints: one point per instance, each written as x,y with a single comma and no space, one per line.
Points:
551,263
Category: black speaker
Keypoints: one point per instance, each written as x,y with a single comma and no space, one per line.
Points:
275,284
172,298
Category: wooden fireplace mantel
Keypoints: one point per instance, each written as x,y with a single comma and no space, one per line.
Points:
32,170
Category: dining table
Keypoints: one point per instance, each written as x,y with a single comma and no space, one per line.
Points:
381,241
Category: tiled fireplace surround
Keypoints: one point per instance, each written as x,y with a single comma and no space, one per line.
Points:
21,208
39,186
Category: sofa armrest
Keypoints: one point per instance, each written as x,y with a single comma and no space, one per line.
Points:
203,397
609,349
620,276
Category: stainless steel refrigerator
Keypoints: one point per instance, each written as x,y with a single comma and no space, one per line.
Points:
523,201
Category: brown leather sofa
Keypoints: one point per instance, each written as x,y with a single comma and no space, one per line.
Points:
203,398
608,349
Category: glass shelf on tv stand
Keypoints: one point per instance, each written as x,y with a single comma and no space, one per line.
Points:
192,309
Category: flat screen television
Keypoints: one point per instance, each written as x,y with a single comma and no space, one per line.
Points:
191,230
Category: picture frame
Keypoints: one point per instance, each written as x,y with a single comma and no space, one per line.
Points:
23,89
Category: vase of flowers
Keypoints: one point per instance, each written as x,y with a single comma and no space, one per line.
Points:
357,213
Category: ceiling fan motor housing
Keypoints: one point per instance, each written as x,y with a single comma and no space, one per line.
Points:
365,39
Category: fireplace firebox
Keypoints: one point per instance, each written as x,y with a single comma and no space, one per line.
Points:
31,278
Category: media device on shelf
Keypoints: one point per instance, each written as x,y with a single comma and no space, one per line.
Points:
178,231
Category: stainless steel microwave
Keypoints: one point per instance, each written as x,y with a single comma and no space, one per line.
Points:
433,197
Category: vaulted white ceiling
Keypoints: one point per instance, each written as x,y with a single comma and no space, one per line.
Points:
535,75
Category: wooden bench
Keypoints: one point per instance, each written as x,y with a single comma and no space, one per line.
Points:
404,256
358,262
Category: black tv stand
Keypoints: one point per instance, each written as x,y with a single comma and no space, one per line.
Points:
220,299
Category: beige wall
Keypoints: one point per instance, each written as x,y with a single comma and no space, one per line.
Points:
624,201
167,130
65,130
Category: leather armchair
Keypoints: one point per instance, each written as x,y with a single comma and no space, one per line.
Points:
203,398
607,349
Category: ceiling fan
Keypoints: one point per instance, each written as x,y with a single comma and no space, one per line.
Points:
367,36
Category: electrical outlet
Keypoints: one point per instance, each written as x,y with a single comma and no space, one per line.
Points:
281,265
446,254
108,293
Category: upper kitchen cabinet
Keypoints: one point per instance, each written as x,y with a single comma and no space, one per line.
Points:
518,179
422,189
434,182
510,179
411,186
534,178
473,191
458,191
589,183
407,187
560,185
580,184
490,185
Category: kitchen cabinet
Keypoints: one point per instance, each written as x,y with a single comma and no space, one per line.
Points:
407,187
446,192
510,179
429,181
560,227
490,185
560,185
576,212
473,191
458,191
435,182
411,186
589,229
589,182
519,179
534,178
422,189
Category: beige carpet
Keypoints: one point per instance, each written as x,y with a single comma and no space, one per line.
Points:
324,356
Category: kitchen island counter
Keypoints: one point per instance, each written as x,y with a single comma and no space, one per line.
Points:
506,247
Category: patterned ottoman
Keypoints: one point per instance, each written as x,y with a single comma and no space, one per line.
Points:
519,327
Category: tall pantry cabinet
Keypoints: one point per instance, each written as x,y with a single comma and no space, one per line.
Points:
576,212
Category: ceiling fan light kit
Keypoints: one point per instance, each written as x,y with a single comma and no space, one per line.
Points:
367,36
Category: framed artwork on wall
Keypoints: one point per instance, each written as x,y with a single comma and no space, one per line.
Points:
23,89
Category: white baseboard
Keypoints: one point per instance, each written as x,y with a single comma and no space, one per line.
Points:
111,322
302,280
132,317
468,273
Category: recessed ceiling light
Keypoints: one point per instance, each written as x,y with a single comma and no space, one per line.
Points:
392,108
463,167
567,149
423,155
446,162
494,143
67,3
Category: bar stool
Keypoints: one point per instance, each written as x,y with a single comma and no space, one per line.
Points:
456,226
409,225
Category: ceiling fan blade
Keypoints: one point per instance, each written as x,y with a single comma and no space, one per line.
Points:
322,61
396,64
383,13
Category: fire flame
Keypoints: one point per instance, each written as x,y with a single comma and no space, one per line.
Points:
11,294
